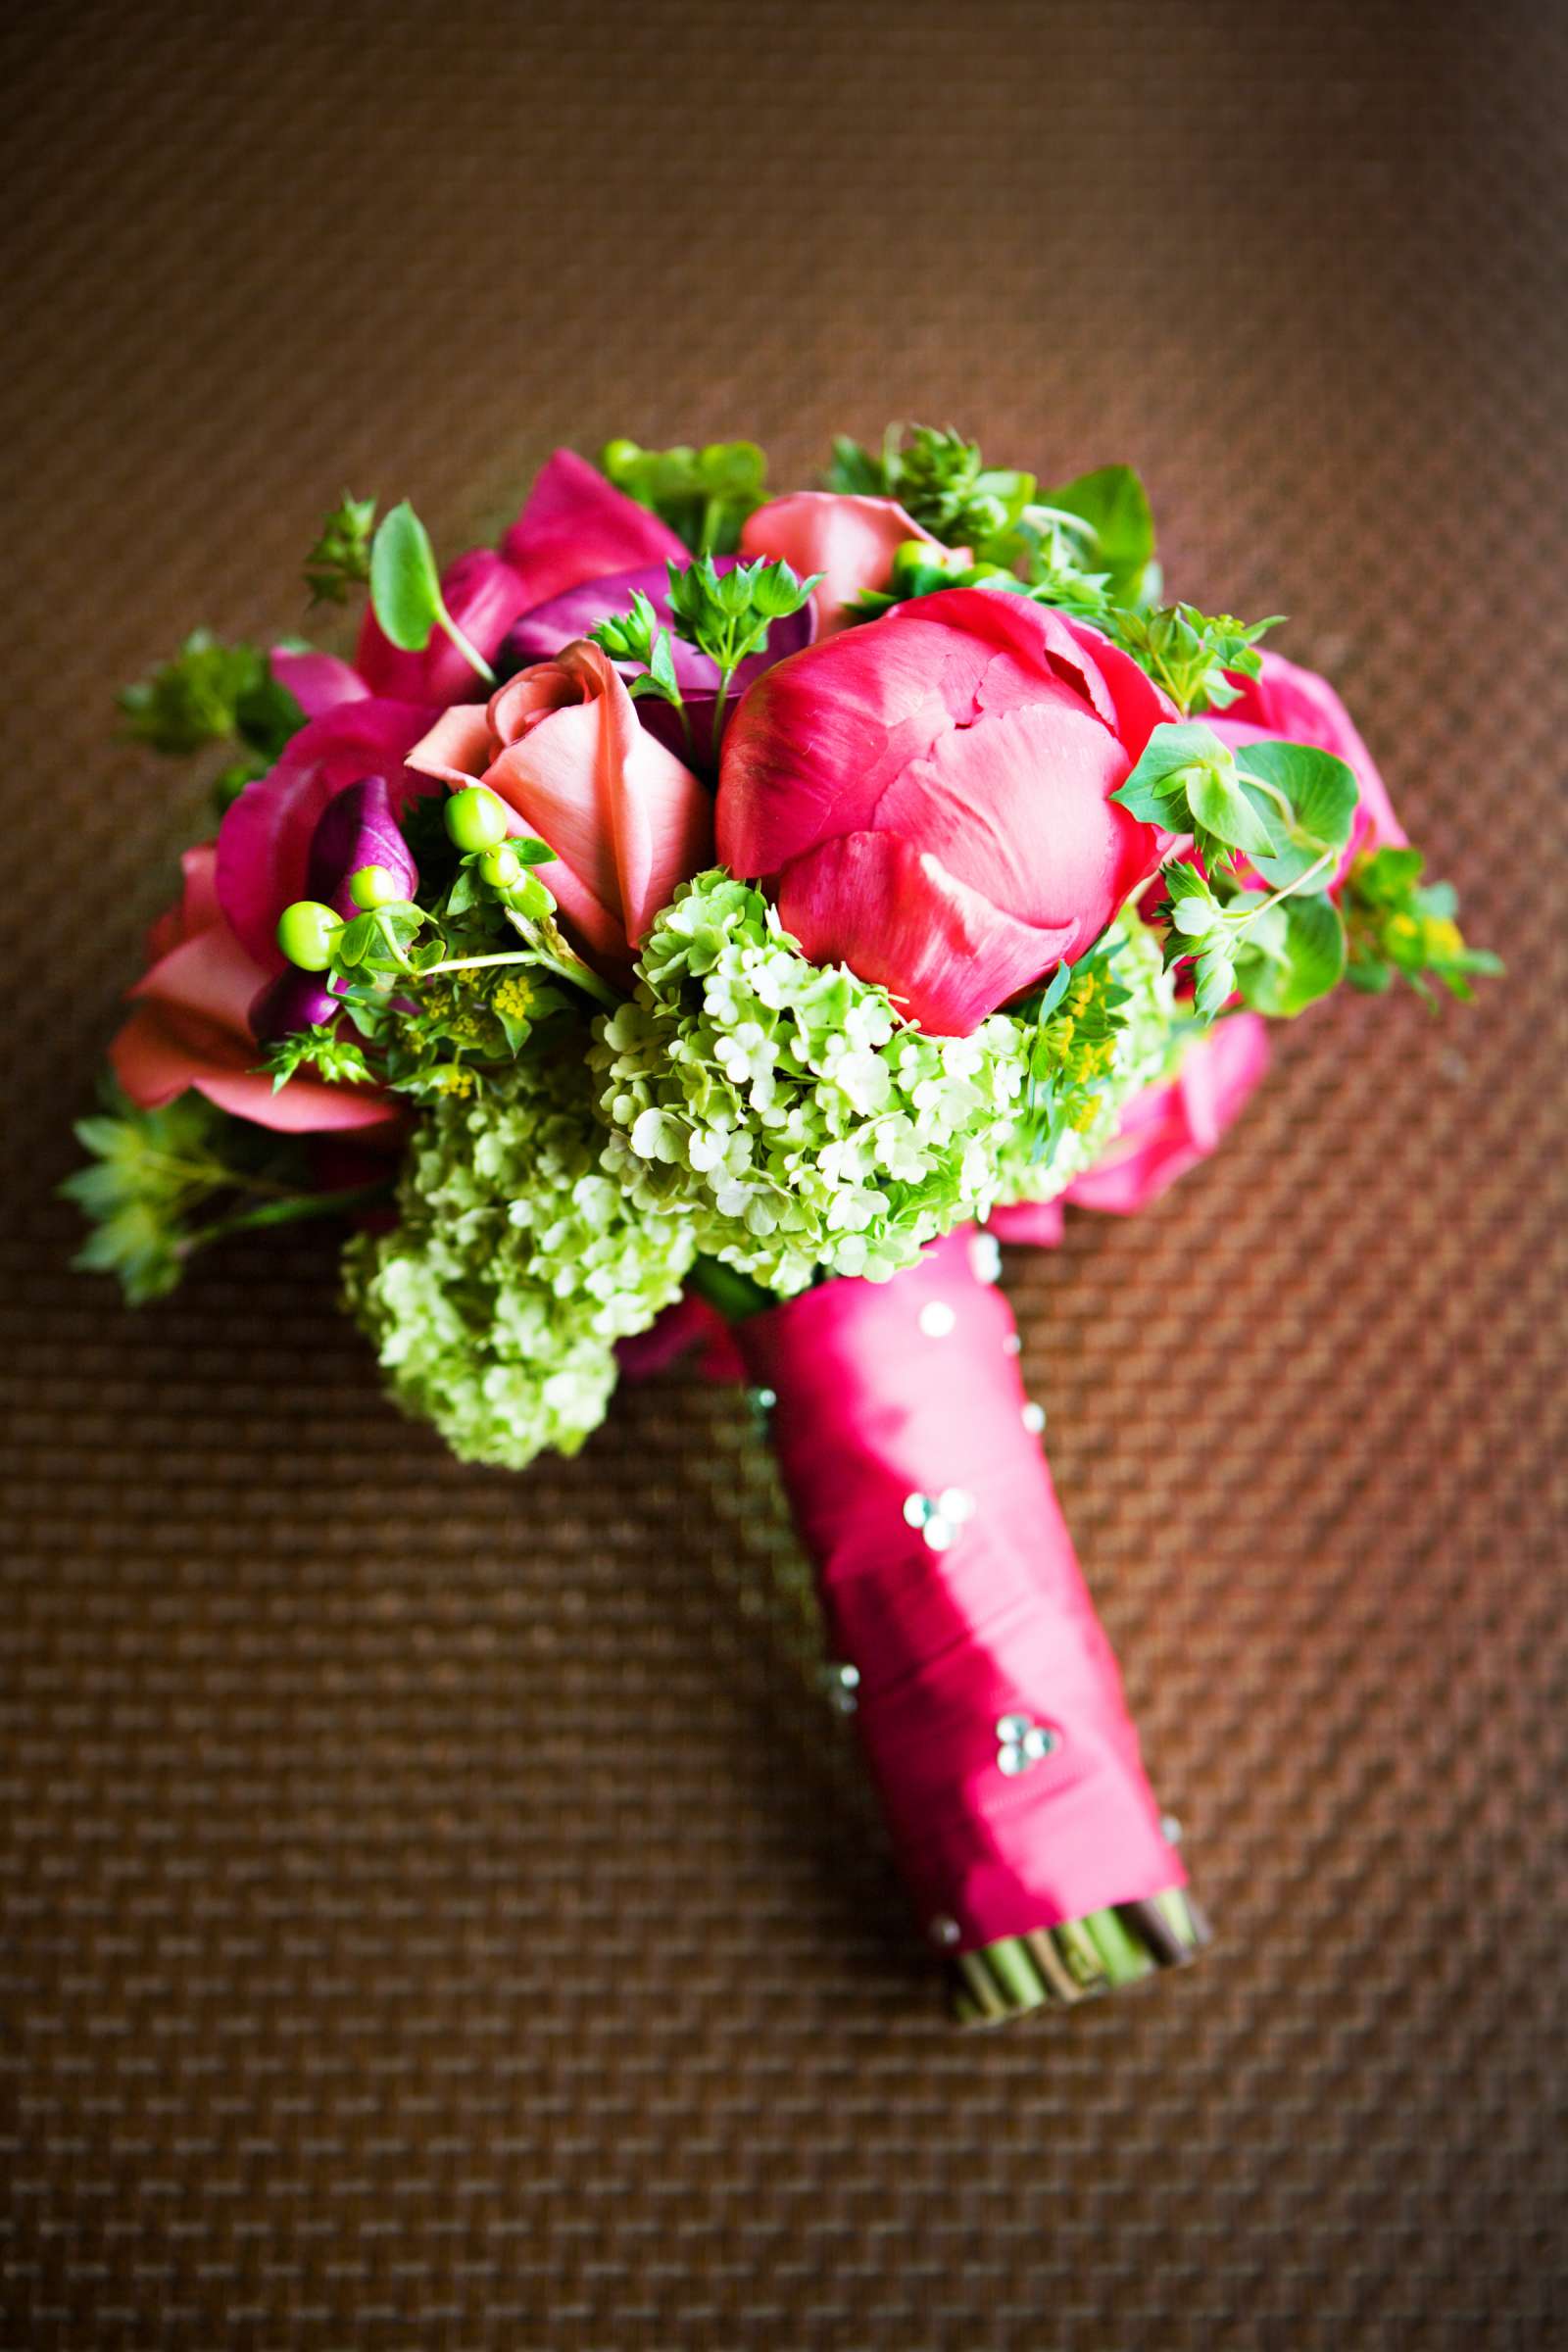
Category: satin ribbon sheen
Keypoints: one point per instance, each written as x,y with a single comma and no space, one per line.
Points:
893,1399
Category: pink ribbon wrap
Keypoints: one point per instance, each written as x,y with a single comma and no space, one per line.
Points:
899,1413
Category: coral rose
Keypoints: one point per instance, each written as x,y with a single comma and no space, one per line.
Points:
562,745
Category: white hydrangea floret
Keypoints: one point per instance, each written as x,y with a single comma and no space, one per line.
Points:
785,1111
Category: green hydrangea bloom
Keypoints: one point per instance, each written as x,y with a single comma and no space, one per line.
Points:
516,1264
787,1112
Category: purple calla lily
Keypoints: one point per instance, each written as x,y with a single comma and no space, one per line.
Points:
293,1000
358,828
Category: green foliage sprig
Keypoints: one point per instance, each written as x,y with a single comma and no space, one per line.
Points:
727,614
1188,652
1074,1025
161,1185
1402,928
340,560
940,480
1086,546
210,693
1283,810
704,495
640,636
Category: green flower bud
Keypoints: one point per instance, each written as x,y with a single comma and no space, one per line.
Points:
306,933
476,819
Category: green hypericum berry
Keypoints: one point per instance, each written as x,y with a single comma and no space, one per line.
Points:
476,819
372,887
917,557
306,932
500,868
616,458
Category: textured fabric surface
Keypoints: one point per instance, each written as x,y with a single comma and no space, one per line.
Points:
438,1909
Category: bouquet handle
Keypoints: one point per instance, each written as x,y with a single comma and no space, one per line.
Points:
988,1700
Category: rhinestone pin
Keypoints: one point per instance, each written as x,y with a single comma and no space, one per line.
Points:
1023,1742
939,1517
937,1318
985,1257
841,1682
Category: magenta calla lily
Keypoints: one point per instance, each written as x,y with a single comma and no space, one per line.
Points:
293,1000
574,526
930,796
266,840
192,1025
318,682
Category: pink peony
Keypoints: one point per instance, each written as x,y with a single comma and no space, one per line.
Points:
930,797
191,1026
562,745
851,541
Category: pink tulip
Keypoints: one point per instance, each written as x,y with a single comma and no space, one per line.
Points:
576,526
929,796
1291,704
851,541
562,745
191,1026
266,839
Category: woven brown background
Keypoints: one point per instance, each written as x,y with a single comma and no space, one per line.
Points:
438,1913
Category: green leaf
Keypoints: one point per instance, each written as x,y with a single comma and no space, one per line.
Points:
1112,500
1223,812
704,495
1187,783
1156,789
405,584
1323,795
1311,960
856,471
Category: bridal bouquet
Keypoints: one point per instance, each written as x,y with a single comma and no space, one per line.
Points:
707,917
